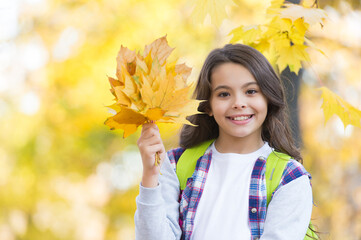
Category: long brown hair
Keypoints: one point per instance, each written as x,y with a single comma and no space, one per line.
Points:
275,129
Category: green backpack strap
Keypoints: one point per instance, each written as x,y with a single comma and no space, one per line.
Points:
275,165
188,160
311,235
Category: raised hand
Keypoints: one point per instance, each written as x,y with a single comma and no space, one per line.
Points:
150,144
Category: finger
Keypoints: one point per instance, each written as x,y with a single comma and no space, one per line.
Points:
146,126
150,132
155,148
151,151
143,143
158,148
153,140
149,140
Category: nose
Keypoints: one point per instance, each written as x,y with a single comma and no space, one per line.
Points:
239,103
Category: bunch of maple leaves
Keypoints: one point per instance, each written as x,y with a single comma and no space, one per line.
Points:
282,39
148,88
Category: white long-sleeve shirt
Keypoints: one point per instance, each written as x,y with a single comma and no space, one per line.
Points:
157,212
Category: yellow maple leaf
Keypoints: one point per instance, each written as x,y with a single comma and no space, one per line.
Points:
165,90
114,83
154,114
298,31
285,28
114,108
274,8
142,66
149,88
281,39
126,119
291,56
216,9
117,88
334,104
158,49
126,61
246,34
122,98
183,70
310,15
130,88
262,45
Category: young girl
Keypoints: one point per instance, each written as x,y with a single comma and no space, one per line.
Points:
226,197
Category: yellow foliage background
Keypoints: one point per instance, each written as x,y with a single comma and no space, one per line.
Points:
64,175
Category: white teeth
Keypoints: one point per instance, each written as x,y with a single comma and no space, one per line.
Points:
242,118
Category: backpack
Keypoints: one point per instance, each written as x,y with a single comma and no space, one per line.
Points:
276,163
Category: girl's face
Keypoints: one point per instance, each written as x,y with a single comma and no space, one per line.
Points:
237,104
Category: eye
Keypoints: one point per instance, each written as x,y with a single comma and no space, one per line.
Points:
223,94
251,91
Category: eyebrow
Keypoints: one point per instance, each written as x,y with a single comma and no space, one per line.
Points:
227,87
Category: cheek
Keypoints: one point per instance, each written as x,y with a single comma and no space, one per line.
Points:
217,108
262,106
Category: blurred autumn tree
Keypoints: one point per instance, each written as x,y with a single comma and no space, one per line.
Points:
64,175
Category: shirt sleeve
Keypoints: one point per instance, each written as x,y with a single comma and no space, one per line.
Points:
157,214
289,212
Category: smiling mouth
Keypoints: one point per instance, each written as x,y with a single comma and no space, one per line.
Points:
241,118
